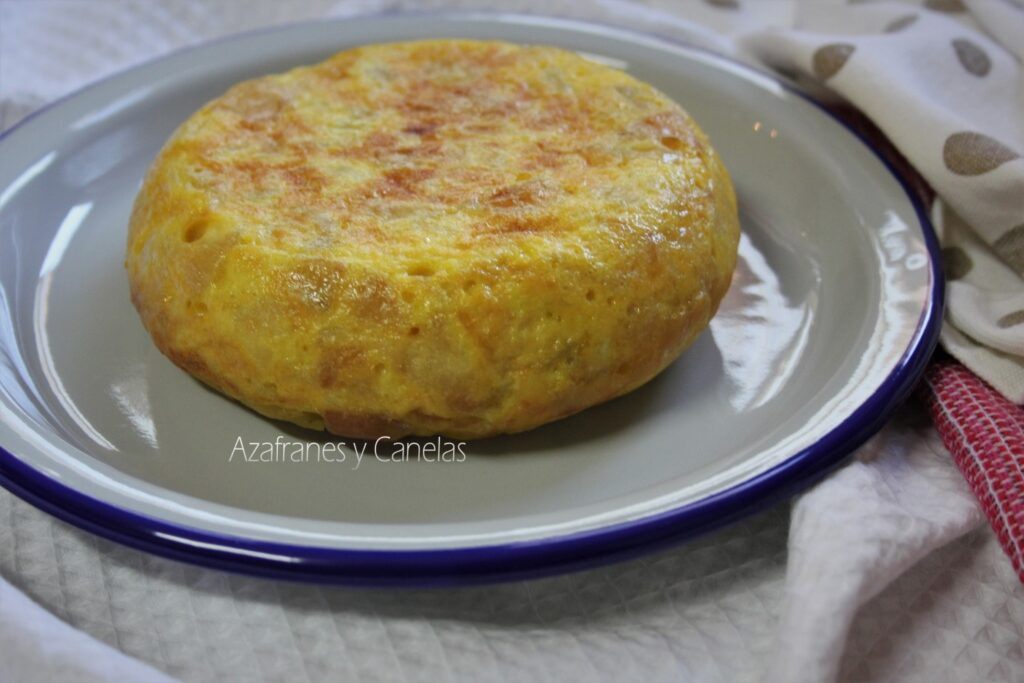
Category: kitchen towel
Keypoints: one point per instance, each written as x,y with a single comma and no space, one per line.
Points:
985,434
939,84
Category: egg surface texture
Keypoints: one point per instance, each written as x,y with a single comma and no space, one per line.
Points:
452,237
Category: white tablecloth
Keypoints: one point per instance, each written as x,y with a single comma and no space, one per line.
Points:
883,572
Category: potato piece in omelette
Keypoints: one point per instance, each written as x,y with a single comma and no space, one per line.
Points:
452,237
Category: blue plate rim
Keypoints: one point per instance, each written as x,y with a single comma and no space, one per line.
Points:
518,560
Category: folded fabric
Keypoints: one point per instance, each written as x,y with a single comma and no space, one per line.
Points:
937,81
38,646
985,434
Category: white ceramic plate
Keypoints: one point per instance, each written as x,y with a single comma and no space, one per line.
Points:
831,316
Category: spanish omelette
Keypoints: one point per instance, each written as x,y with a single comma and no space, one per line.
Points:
449,237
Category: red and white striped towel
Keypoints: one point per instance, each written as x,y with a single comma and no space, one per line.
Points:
985,434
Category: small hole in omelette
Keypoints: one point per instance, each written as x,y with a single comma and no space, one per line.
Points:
421,271
195,306
672,142
196,229
413,331
590,295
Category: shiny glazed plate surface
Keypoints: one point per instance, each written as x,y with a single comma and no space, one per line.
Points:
832,313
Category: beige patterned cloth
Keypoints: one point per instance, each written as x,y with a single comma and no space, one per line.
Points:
882,572
944,82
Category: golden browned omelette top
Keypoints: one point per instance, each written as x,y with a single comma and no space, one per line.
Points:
433,146
443,236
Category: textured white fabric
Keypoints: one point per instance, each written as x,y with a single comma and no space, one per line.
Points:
917,503
882,572
34,644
